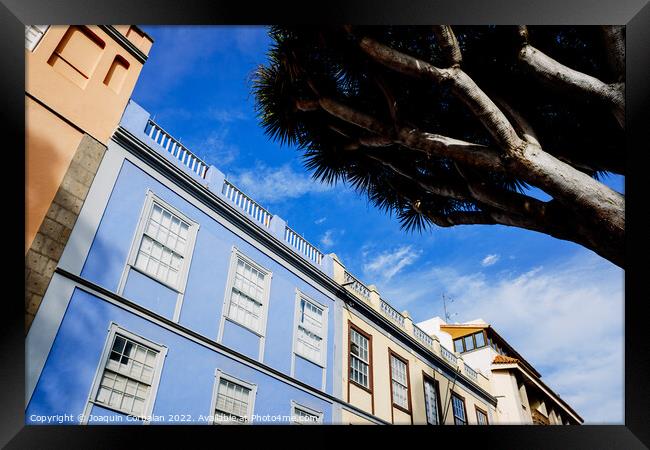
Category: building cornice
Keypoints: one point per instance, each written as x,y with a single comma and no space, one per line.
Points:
124,42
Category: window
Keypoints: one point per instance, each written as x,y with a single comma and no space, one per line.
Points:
247,297
303,415
480,340
163,244
360,352
470,342
129,375
399,382
458,406
481,416
311,330
432,401
233,400
33,35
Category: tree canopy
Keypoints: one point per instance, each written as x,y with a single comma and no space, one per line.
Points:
449,126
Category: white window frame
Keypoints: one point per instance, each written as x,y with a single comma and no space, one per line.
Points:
295,405
218,376
114,329
145,213
436,401
236,255
393,379
40,31
300,296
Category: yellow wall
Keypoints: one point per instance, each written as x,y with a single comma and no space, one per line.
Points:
381,398
87,78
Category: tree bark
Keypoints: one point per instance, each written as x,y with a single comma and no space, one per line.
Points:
556,74
583,210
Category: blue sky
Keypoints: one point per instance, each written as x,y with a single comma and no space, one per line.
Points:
558,304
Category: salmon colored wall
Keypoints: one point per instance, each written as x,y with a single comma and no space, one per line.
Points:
49,142
67,71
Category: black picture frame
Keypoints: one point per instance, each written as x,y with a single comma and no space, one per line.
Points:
635,14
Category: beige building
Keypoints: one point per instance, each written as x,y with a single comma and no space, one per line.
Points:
399,374
78,80
523,398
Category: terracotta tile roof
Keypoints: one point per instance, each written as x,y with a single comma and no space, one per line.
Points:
500,359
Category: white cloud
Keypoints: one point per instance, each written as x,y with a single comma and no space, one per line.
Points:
319,221
327,239
566,319
225,115
274,184
490,260
387,264
215,148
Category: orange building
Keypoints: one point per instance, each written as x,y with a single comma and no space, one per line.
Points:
78,80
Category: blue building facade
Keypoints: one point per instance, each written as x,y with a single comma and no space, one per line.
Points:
179,299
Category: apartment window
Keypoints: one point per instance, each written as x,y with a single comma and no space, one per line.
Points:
247,297
431,402
163,244
481,416
33,35
129,375
311,330
479,338
303,415
458,407
399,382
359,358
470,342
233,400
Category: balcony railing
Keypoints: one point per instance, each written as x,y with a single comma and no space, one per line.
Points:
449,356
423,337
356,285
301,245
176,149
471,373
246,204
392,313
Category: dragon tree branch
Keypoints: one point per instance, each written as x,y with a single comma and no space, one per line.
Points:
563,77
449,44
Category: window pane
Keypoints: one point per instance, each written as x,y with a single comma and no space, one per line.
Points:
161,247
431,403
459,410
123,386
480,339
481,418
469,343
247,295
305,418
458,345
232,401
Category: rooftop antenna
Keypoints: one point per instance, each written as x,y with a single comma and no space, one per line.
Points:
448,316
